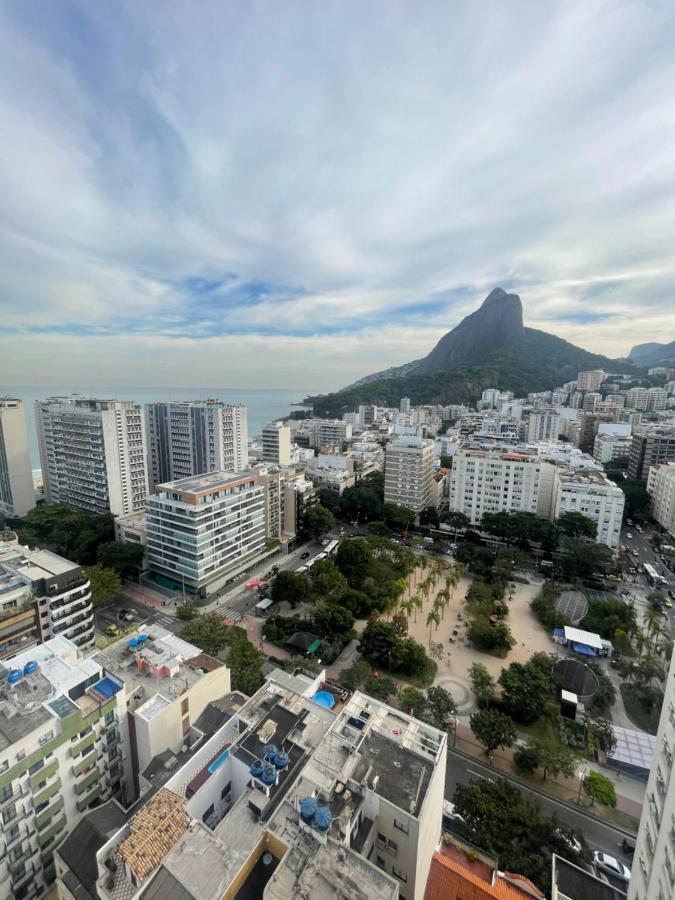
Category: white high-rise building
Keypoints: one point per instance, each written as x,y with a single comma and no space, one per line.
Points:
193,437
544,425
17,496
92,453
637,398
593,495
404,405
661,486
608,448
653,872
201,531
590,380
408,476
276,441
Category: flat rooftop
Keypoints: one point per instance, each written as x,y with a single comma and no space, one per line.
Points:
396,773
34,564
202,484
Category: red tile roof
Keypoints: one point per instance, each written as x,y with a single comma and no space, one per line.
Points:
451,880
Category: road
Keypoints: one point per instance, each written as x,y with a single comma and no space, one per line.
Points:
109,614
462,769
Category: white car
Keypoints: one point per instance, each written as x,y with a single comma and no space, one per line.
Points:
610,865
449,814
629,535
570,841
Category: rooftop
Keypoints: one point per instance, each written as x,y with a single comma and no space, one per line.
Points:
79,849
34,564
154,831
394,772
204,484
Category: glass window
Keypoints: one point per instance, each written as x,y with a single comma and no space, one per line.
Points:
402,826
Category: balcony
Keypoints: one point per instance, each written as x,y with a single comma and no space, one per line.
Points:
47,836
86,782
43,817
88,741
47,793
85,801
43,774
88,761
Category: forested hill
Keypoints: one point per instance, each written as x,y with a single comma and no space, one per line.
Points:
537,361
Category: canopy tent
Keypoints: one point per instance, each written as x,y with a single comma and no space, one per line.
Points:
588,638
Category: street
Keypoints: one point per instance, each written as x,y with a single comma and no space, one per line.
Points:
462,769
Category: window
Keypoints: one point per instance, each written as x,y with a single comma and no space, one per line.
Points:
393,848
381,840
184,706
380,861
36,767
4,766
20,755
398,874
402,826
226,790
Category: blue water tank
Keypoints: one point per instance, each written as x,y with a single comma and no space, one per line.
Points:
133,643
14,676
281,760
308,807
30,667
269,775
257,769
142,639
322,818
269,752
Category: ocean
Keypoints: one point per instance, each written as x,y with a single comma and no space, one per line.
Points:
263,404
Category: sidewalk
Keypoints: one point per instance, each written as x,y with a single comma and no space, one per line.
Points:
629,795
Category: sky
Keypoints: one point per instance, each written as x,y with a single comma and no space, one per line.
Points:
291,194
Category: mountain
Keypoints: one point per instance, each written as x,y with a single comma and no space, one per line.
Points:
652,354
489,348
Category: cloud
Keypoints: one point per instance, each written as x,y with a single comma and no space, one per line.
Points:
328,188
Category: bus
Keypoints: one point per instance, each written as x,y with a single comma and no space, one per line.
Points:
653,577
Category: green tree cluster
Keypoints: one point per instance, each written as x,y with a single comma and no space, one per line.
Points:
382,646
105,584
69,532
493,729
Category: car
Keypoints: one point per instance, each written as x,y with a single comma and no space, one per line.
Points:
569,840
428,540
629,535
668,603
305,555
628,846
610,865
634,552
112,630
639,529
125,615
450,815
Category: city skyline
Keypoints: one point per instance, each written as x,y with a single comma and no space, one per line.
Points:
257,186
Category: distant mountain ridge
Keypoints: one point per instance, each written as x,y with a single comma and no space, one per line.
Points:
489,348
652,354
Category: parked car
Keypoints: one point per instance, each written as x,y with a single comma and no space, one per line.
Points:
449,815
126,615
610,865
628,846
629,535
667,602
305,555
569,840
112,630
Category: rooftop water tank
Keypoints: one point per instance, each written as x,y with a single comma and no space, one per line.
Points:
142,639
281,760
133,643
322,818
269,775
308,807
30,667
269,752
15,675
256,769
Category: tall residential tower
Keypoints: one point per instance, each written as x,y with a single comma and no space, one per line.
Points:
17,496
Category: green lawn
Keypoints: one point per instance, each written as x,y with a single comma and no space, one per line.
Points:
633,695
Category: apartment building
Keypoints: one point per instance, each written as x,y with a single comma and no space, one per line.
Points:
63,748
17,496
276,442
367,414
92,453
42,595
590,380
661,487
593,495
201,531
650,446
653,872
591,401
169,683
332,471
543,425
290,799
300,495
408,474
404,405
193,437
636,398
330,433
611,448
494,479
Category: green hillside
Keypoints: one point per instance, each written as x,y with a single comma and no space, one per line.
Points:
537,362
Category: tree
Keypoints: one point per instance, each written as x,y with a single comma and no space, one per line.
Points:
433,616
333,621
105,584
555,758
429,516
125,559
446,461
413,702
396,515
353,560
400,623
327,579
209,632
380,644
245,663
455,519
436,650
581,557
575,524
290,588
527,758
482,682
493,729
525,690
637,499
599,787
318,521
441,707
186,610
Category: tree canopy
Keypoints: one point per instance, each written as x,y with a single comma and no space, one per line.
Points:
125,559
525,690
493,729
105,584
318,521
599,787
209,631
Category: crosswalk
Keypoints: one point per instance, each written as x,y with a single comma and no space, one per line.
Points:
231,616
163,619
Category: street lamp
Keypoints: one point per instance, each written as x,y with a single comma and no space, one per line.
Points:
581,775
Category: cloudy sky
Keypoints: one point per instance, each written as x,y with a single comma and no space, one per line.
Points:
296,194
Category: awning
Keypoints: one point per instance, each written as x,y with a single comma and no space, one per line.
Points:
589,638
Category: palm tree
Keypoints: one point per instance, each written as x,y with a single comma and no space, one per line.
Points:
640,642
432,616
653,619
443,598
407,607
417,600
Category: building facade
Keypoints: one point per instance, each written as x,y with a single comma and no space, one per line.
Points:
650,446
661,487
611,448
200,531
276,442
65,747
544,425
17,496
193,437
593,495
408,475
92,454
42,596
590,380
